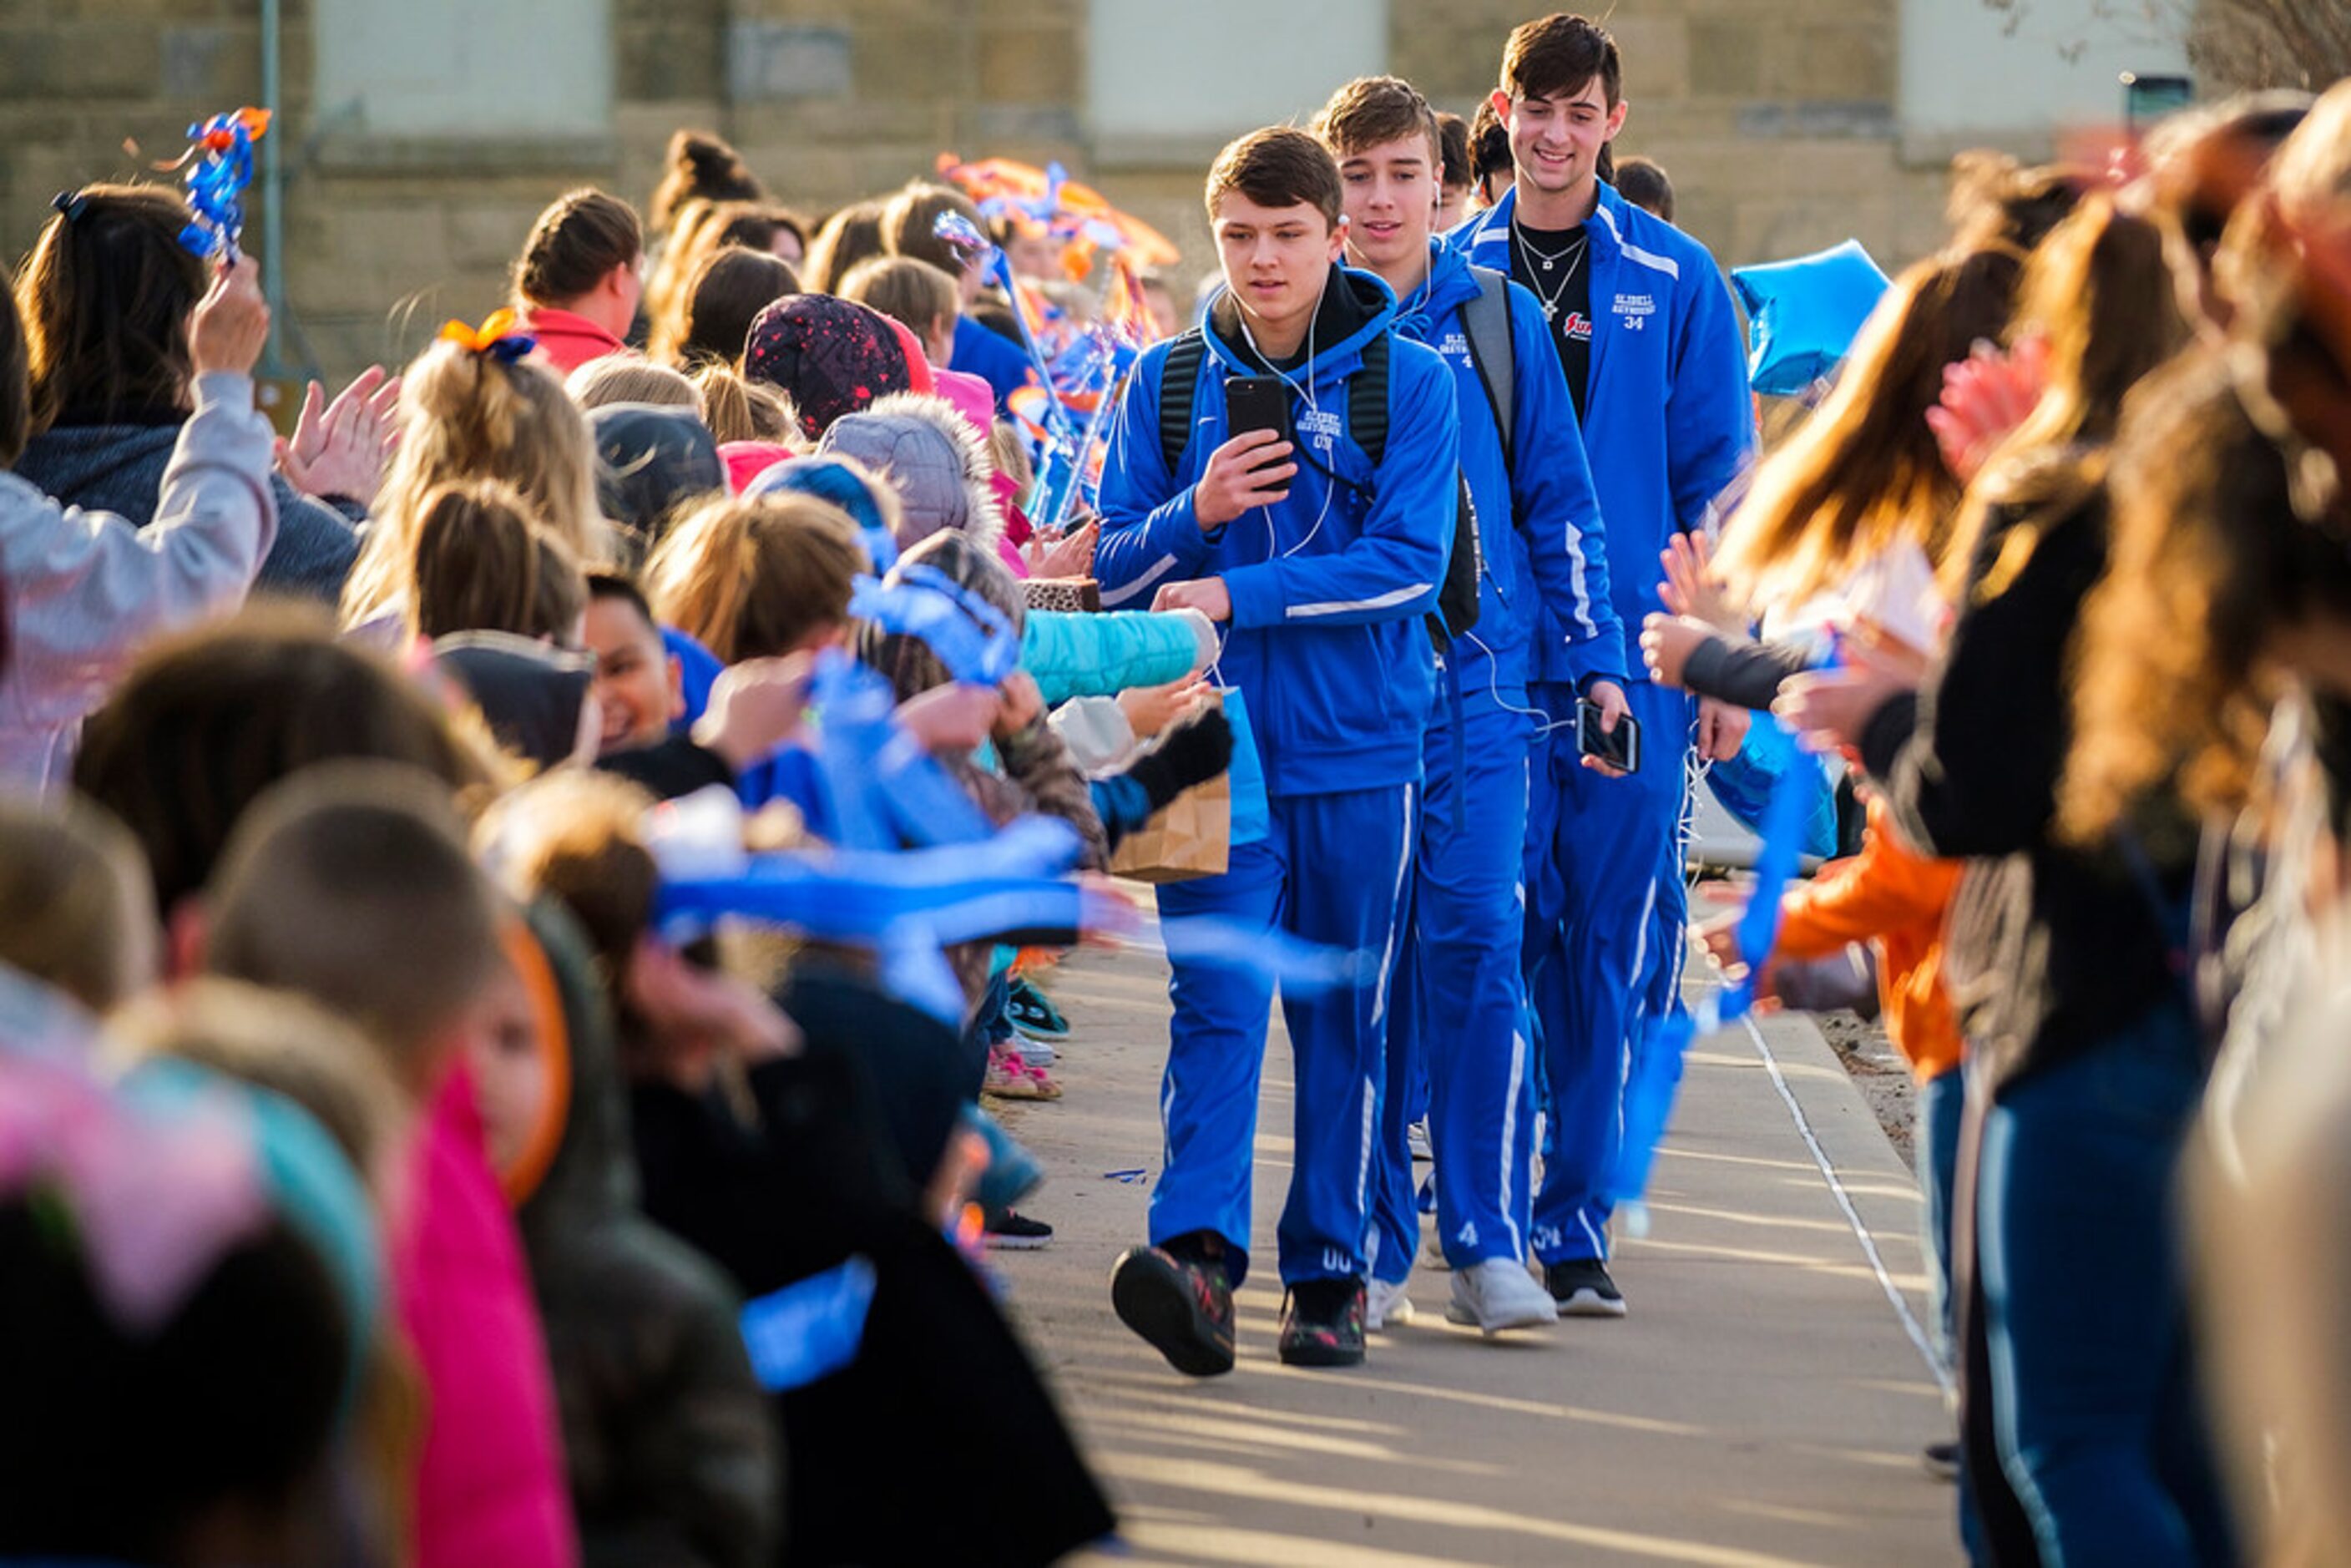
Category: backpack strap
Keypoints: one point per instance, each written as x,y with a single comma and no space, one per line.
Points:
1180,385
1367,400
1485,321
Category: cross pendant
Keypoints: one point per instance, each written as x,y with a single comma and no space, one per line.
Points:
1550,310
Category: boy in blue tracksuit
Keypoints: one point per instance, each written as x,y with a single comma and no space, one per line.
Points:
1643,325
1458,996
1322,563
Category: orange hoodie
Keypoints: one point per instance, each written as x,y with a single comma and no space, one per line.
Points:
1897,899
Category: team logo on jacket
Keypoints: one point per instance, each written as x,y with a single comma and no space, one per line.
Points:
1322,426
1455,346
1633,307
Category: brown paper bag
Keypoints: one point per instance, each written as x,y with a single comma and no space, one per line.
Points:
1190,836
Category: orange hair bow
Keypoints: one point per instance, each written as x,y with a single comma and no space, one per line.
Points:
501,333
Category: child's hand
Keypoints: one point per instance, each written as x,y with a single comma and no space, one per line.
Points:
755,707
1149,710
1019,704
949,720
1071,554
1690,588
1668,642
231,325
1208,595
342,448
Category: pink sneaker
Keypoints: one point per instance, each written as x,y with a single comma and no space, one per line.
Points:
1010,1076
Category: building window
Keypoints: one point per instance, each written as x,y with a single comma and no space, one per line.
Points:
1207,70
435,69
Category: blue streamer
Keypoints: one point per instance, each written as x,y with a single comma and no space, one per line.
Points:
882,790
1656,1070
1298,966
811,1328
222,147
967,634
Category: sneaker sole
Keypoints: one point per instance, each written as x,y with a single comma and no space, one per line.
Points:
1015,1243
1455,1313
1591,1303
1154,1301
1320,1355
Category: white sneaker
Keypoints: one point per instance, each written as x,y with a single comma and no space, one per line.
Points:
1035,1052
1384,1303
1500,1295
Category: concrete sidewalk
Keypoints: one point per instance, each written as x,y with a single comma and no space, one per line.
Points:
1763,1404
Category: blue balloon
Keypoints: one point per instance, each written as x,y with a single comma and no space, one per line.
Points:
1806,314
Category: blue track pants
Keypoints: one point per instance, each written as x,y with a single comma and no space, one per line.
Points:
1606,911
1331,870
1459,1012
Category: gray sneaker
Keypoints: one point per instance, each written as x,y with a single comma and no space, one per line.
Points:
1496,1295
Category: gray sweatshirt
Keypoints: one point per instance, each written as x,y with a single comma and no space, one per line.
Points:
86,589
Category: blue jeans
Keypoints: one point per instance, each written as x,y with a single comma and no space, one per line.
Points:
1942,1101
2093,1409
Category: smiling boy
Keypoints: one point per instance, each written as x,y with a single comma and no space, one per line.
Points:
1458,994
1321,558
1642,327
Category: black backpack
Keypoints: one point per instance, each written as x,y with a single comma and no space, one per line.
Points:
1488,323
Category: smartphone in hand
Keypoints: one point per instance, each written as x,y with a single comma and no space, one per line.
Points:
1256,403
1620,748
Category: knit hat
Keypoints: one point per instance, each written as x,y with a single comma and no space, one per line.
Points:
649,459
870,500
934,460
829,356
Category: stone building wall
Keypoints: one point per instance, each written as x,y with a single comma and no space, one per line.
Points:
1776,117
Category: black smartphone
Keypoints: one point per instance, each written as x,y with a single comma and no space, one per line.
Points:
1256,403
1619,747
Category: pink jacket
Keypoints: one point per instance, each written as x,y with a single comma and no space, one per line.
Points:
490,1485
976,400
568,341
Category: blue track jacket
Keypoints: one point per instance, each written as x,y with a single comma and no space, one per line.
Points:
1540,524
1329,588
1664,335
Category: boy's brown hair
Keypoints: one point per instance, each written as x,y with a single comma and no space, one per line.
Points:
1557,55
910,291
1280,166
574,244
484,564
754,578
351,884
1372,111
1456,169
77,912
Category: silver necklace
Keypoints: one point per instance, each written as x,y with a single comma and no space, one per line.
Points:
1572,255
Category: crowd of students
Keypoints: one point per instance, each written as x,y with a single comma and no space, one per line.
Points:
393,1168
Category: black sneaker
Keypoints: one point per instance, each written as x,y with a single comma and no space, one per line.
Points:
1583,1290
1010,1232
1183,1307
1942,1460
1033,1013
1322,1324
